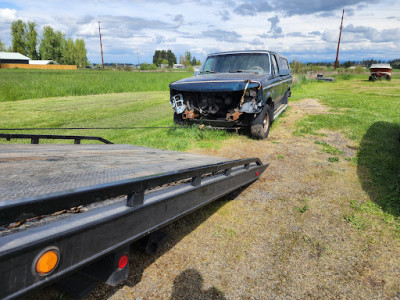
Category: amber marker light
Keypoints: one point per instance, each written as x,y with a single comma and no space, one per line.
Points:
46,261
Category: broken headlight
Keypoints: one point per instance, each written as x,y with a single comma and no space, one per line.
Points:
177,104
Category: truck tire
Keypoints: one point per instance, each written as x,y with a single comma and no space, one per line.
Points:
178,120
261,124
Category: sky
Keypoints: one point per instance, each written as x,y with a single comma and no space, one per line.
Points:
303,30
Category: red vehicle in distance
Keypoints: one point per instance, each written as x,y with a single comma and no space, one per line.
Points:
379,71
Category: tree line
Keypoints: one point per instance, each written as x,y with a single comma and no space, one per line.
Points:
53,45
168,57
164,57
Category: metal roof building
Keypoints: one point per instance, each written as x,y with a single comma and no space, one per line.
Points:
43,62
13,58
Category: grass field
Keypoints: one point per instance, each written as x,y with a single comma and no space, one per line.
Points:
368,113
353,236
139,109
18,84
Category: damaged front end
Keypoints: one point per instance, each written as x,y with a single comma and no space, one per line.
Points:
219,108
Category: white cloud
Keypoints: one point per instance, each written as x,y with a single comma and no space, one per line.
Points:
7,15
299,28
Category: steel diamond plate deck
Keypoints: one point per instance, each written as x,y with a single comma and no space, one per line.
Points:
33,170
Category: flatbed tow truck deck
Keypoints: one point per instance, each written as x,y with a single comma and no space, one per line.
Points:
123,192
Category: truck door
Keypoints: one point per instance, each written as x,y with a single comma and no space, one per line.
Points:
284,65
276,87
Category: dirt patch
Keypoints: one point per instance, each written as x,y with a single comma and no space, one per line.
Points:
286,235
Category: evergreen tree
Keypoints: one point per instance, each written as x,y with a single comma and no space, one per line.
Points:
171,58
160,56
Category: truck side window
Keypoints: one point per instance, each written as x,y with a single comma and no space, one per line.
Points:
274,65
283,64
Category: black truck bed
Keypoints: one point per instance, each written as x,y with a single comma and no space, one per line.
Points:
149,188
34,170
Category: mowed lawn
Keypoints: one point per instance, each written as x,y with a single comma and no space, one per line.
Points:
147,115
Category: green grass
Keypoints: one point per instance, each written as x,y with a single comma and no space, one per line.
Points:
328,148
147,109
18,84
368,113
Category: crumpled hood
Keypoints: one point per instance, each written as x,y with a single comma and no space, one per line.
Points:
220,82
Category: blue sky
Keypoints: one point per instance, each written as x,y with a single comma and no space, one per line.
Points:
305,30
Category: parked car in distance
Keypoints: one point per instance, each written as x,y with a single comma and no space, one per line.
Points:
235,89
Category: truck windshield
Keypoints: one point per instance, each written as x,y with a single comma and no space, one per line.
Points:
240,63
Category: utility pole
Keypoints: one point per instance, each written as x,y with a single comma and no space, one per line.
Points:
101,48
340,34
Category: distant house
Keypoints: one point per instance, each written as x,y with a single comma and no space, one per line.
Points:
43,62
178,66
13,58
164,66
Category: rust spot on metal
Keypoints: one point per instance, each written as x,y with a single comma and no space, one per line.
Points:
189,114
233,116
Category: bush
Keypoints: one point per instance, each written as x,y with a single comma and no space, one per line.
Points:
147,67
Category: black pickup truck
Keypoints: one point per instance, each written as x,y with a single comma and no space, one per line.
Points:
235,89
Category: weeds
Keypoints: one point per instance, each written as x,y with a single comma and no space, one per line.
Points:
328,148
301,209
333,159
357,221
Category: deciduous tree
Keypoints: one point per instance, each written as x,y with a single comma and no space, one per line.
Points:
48,43
18,40
32,41
81,52
2,47
69,54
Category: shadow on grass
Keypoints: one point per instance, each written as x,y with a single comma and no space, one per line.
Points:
379,166
189,285
175,231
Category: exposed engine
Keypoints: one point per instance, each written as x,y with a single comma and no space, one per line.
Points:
216,105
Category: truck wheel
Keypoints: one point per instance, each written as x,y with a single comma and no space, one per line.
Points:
178,120
388,77
261,124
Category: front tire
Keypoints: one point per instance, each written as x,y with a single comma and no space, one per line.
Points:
261,124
